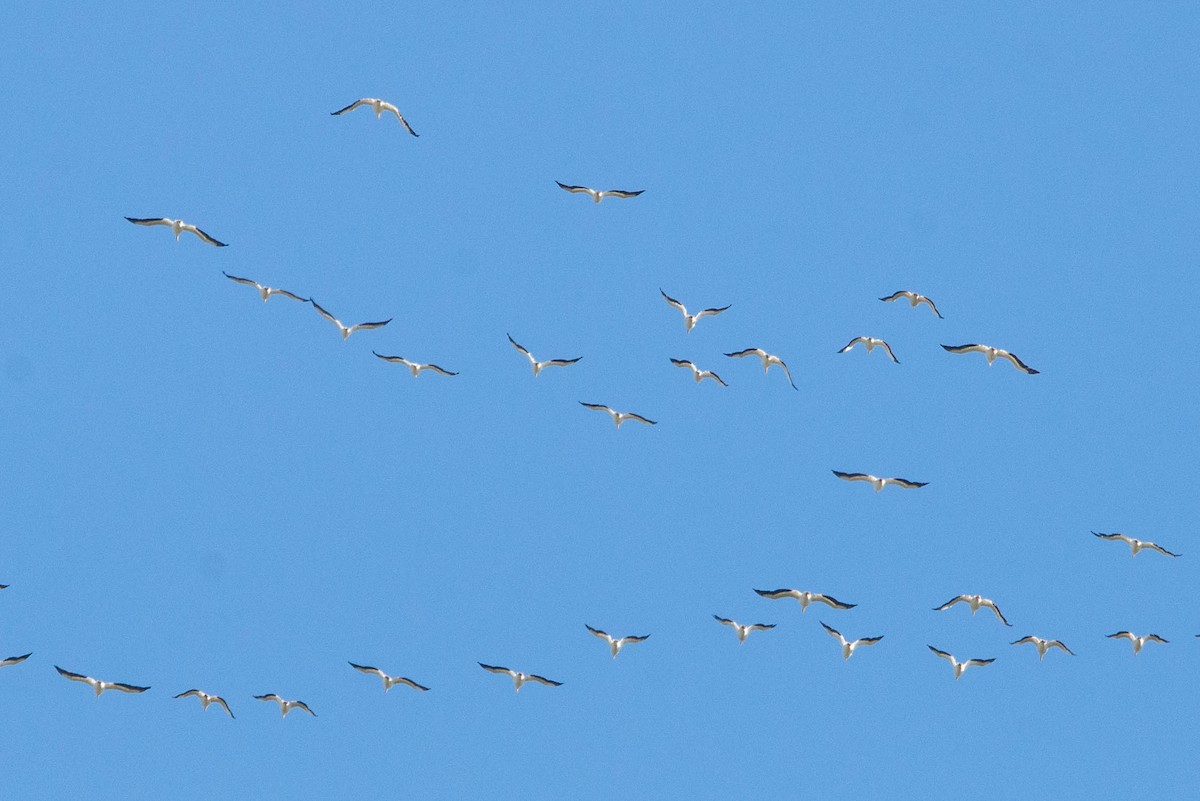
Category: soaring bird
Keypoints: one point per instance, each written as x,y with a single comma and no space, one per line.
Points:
959,667
767,361
1136,545
100,686
15,660
743,631
378,106
879,483
206,699
1043,645
618,417
871,343
177,227
689,320
913,298
805,598
614,644
598,196
347,331
975,602
697,373
285,706
848,646
539,366
992,354
1138,642
264,292
413,367
388,681
520,678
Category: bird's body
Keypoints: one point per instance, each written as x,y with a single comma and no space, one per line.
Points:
538,366
1138,642
743,631
689,320
913,299
100,686
871,343
697,373
805,598
15,660
285,706
600,195
265,292
848,646
388,681
960,667
615,644
618,417
347,330
414,367
767,360
520,678
975,602
1042,645
206,699
879,483
992,354
378,106
177,227
1136,545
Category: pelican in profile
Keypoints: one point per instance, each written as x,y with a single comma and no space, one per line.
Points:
1043,645
879,483
615,645
1138,642
206,699
805,598
959,667
1136,545
767,361
598,196
689,320
618,417
697,373
848,646
388,681
285,706
520,678
992,354
264,292
539,366
177,227
100,686
413,367
347,331
15,660
975,602
914,299
378,106
743,631
871,343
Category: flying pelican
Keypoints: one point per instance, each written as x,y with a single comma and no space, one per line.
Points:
975,602
1136,545
177,226
880,483
413,367
15,660
959,667
1138,642
697,373
689,320
615,645
1043,645
871,343
992,354
805,598
767,361
100,686
264,291
618,417
521,678
206,699
378,106
539,366
346,332
598,196
743,631
913,298
285,706
849,646
388,681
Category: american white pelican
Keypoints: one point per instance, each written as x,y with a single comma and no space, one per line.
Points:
1138,642
913,298
618,417
615,645
378,106
388,681
975,602
264,292
805,598
1136,545
871,343
959,667
176,226
767,361
100,686
413,367
520,678
346,332
1043,645
848,646
206,699
697,373
598,196
689,320
992,354
285,706
539,366
879,483
15,660
743,631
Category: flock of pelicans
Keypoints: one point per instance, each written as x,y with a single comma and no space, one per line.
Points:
616,644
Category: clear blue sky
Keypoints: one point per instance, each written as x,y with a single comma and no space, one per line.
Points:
200,490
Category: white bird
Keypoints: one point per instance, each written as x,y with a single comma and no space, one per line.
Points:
975,602
539,366
1138,642
689,320
598,196
100,686
378,106
413,367
805,598
743,631
618,417
15,660
871,343
959,667
992,354
206,699
285,706
346,332
767,361
388,681
879,483
615,645
913,298
1136,545
264,292
520,678
848,646
177,227
697,373
1043,645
